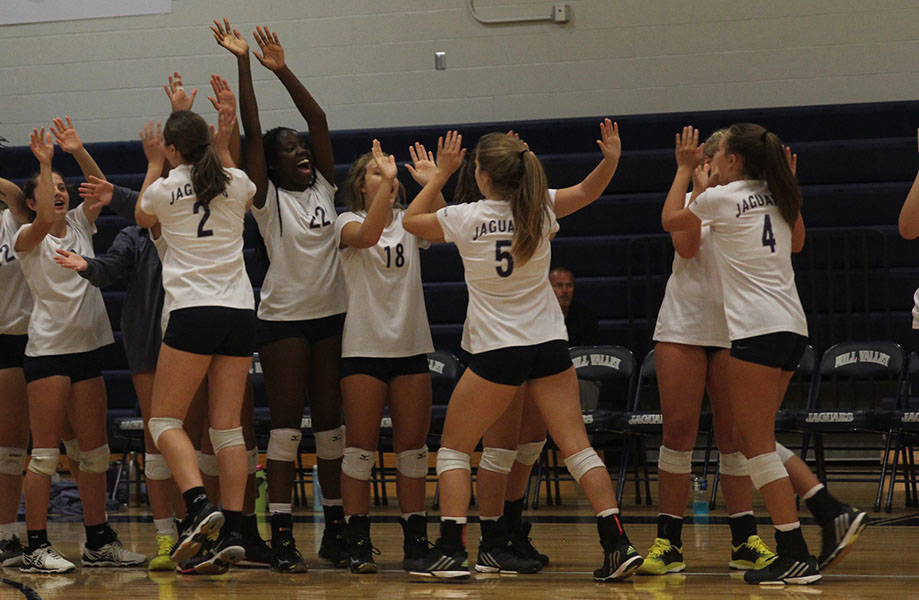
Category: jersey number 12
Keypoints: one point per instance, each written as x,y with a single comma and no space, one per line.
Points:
768,238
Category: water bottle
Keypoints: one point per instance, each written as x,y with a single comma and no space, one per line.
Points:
317,490
699,500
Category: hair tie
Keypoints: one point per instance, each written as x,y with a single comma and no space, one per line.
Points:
763,137
521,153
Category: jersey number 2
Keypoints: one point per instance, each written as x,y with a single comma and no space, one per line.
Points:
768,238
503,256
202,232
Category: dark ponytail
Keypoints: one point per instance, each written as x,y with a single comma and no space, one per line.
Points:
190,135
764,158
467,189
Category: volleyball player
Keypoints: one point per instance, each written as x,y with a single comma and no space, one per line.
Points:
515,332
67,325
201,207
303,297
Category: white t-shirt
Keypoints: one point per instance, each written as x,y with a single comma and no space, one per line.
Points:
305,279
386,313
509,305
693,310
204,265
69,314
753,246
15,299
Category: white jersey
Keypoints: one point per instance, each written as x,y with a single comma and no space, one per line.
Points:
509,304
160,245
693,309
204,265
69,314
386,315
305,279
916,311
15,298
753,244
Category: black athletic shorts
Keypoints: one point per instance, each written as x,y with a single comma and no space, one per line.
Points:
78,367
212,330
12,351
516,364
709,350
384,369
313,330
782,350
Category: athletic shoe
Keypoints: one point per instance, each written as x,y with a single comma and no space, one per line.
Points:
112,554
203,564
228,551
522,546
444,565
663,557
286,558
258,554
785,570
163,559
752,554
360,548
498,558
195,529
334,546
11,552
618,563
45,560
839,535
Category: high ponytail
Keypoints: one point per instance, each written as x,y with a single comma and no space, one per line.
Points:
517,176
190,135
764,158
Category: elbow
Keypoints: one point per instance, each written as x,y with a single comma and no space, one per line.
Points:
687,251
668,224
909,231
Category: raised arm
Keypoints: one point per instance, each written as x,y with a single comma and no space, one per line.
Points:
226,122
574,198
12,196
272,57
422,168
687,242
256,167
675,216
33,234
117,263
367,234
120,199
419,218
224,101
69,141
909,214
152,139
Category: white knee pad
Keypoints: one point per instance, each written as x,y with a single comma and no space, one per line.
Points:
12,460
283,444
528,454
155,467
766,468
448,460
158,425
580,462
72,450
207,464
784,453
358,463
226,438
330,445
498,460
95,460
413,463
734,464
44,461
252,461
678,463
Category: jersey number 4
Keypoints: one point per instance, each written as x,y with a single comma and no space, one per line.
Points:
768,238
202,232
504,259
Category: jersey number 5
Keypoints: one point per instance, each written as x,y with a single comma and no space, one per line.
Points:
768,238
202,232
503,256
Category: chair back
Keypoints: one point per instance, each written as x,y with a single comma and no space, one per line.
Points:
857,375
612,367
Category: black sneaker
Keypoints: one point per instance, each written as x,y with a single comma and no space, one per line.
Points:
618,563
360,548
444,565
498,558
839,535
334,546
11,552
785,570
203,564
286,557
258,554
415,545
195,530
522,546
228,550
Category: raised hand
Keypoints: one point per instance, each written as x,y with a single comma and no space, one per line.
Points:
424,164
66,136
272,55
223,95
71,260
792,160
41,146
386,164
230,38
516,136
98,192
609,142
226,118
450,152
701,177
151,137
688,149
175,91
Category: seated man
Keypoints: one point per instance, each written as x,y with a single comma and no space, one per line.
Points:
581,322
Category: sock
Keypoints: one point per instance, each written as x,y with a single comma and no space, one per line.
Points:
670,528
98,535
195,499
513,514
743,525
406,516
492,530
349,517
452,534
611,532
282,526
609,512
332,502
249,528
37,538
165,526
279,507
791,542
233,520
823,506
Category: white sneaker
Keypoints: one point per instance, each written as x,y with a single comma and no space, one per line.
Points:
112,554
45,560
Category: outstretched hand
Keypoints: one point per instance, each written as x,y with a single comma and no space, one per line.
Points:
701,177
230,38
175,91
272,55
792,160
71,260
66,136
41,146
226,118
223,97
151,137
423,164
450,152
609,142
386,163
98,192
688,149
